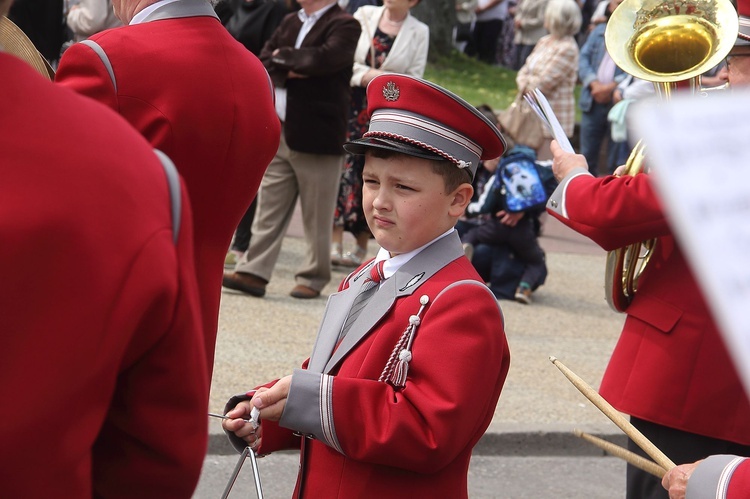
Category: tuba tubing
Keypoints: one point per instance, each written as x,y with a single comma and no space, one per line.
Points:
669,43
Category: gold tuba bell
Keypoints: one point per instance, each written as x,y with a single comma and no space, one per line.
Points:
670,43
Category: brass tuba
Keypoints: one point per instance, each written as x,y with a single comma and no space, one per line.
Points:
670,43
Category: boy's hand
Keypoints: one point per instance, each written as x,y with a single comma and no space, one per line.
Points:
240,427
509,219
271,401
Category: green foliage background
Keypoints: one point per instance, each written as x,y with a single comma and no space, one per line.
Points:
476,82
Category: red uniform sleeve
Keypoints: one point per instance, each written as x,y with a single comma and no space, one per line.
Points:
84,72
612,211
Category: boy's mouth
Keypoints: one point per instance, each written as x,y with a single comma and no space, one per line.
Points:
382,221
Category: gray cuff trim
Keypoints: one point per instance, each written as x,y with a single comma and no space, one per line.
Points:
302,410
105,60
308,409
557,202
711,477
326,413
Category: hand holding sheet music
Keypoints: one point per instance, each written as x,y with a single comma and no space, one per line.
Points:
541,107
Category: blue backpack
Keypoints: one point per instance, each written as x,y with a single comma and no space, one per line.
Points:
524,184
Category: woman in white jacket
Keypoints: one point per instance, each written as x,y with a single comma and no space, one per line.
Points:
392,41
88,17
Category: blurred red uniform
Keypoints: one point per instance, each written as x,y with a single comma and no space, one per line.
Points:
199,96
102,366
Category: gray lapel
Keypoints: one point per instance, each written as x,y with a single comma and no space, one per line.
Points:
337,308
182,8
404,282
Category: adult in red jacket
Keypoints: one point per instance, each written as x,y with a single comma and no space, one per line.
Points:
719,476
99,309
199,96
670,370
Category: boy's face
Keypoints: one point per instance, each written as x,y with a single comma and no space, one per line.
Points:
406,203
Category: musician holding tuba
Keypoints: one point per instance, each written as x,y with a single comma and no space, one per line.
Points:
719,475
670,370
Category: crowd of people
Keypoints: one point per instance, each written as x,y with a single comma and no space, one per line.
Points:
320,102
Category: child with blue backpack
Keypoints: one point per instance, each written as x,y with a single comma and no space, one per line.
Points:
510,202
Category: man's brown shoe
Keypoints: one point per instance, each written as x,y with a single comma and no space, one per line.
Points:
300,291
247,283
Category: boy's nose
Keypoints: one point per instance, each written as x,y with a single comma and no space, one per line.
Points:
381,200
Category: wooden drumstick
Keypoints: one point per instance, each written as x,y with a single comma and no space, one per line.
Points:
617,418
617,451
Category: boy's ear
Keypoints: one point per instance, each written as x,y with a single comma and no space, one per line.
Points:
461,199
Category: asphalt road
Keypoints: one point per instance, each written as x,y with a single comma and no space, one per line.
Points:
497,477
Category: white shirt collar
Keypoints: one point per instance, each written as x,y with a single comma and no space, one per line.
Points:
312,18
142,15
392,265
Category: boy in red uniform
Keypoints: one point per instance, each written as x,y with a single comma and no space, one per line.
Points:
400,385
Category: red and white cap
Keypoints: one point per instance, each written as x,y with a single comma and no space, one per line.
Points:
418,118
743,9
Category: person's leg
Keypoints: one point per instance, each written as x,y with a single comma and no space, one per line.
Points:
244,229
472,44
343,201
352,214
319,176
482,261
337,244
593,129
522,239
621,154
241,239
276,201
523,242
491,232
525,50
490,34
362,238
612,150
505,271
355,257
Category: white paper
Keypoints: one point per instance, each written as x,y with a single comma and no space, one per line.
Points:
541,107
698,150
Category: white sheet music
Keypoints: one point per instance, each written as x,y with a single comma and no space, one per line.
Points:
541,107
699,156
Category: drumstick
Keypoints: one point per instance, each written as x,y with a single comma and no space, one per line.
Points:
617,418
617,451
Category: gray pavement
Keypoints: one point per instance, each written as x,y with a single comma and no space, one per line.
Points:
529,449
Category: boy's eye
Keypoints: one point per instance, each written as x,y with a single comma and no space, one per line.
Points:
370,181
404,187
